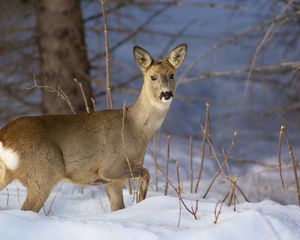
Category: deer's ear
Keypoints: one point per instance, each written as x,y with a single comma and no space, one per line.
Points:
177,55
142,58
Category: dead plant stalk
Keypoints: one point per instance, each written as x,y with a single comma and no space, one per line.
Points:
291,153
192,211
204,140
191,164
109,99
167,165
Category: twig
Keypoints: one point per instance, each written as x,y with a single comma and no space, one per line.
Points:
232,193
191,211
291,153
60,93
215,154
233,39
155,156
109,100
132,34
167,165
204,140
191,164
262,42
178,177
18,192
279,154
226,158
94,104
125,155
129,186
52,202
83,95
277,68
7,199
240,190
217,213
179,190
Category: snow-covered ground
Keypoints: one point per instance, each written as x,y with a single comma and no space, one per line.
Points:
75,215
71,213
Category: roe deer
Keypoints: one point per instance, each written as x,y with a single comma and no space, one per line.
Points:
105,147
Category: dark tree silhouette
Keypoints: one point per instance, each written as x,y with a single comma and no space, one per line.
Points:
63,56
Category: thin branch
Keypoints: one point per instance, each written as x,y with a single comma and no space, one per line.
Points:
109,99
277,68
279,154
291,153
167,165
60,93
205,136
179,190
151,18
83,95
191,164
262,42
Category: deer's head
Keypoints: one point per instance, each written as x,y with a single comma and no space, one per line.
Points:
159,75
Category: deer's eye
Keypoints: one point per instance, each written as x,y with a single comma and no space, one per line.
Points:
153,78
172,76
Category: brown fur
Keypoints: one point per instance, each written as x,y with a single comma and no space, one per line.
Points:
90,149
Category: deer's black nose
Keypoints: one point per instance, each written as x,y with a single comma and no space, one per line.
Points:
166,95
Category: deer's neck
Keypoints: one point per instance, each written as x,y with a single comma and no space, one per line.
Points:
147,115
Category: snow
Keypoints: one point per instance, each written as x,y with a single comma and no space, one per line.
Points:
76,215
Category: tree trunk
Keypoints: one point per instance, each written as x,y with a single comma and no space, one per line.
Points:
63,56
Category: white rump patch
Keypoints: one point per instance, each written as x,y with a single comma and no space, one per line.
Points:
9,157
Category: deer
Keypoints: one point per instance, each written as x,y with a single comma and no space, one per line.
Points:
99,148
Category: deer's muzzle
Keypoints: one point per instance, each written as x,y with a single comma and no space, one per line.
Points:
166,95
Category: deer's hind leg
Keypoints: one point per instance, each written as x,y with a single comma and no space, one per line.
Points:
5,176
47,169
38,190
145,177
36,196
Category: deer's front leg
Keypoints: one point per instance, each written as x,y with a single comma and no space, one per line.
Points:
145,177
114,191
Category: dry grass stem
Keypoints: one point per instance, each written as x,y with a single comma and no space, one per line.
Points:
191,165
83,95
291,153
125,155
7,198
52,202
191,210
204,140
109,99
179,190
94,104
18,192
178,177
225,162
232,191
265,38
155,156
167,165
60,93
129,187
279,154
217,211
240,190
